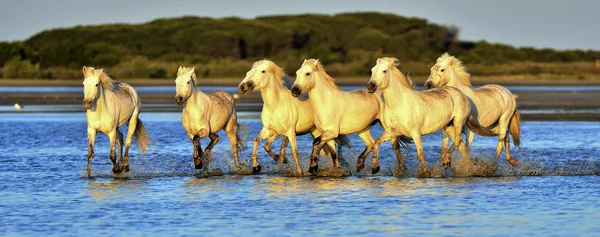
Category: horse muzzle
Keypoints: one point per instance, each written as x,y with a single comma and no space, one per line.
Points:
371,87
428,85
87,104
179,100
246,87
296,91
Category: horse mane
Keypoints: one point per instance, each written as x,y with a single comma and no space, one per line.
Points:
457,66
182,70
318,67
393,64
107,82
276,70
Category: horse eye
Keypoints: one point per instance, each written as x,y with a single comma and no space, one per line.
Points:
308,73
442,70
96,84
384,71
188,82
263,71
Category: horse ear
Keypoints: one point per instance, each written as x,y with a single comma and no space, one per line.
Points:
193,69
396,62
179,70
378,60
101,74
84,71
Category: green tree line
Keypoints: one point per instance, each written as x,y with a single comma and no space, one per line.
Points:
347,43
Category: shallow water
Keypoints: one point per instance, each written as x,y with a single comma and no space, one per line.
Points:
44,191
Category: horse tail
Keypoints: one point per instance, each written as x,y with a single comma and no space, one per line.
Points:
514,127
343,140
141,137
241,136
475,127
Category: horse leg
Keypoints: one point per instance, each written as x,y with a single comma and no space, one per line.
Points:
365,135
231,129
445,140
90,155
264,133
325,151
198,153
385,136
292,138
499,145
214,138
333,155
318,144
130,131
419,144
512,161
112,136
267,147
120,146
282,159
399,157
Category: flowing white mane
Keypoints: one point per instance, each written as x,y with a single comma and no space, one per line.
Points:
457,66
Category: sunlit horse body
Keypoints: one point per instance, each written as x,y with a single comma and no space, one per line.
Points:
110,105
412,113
492,105
282,114
336,111
204,114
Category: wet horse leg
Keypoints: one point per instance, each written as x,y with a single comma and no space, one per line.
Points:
214,138
267,147
375,158
365,135
399,157
112,136
264,133
282,159
120,144
318,144
90,155
131,126
198,153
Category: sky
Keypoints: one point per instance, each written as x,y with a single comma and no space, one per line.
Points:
556,24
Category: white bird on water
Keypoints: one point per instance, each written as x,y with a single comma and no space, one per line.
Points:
18,106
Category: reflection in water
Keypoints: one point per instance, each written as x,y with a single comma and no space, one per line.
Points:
103,190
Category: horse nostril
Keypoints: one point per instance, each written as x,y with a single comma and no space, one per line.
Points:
428,85
295,90
178,99
371,86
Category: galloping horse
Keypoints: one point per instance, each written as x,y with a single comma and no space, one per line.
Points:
492,105
109,105
412,113
204,115
336,111
282,114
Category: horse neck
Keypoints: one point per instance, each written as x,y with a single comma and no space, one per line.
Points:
322,92
101,100
196,98
397,94
456,83
271,94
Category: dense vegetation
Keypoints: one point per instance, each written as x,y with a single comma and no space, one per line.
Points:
347,43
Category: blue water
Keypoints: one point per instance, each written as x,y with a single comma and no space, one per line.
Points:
232,89
44,190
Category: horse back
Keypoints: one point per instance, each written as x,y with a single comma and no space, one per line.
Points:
222,107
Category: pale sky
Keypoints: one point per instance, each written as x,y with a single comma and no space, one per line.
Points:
551,23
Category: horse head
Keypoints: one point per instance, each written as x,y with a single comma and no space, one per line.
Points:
259,76
91,85
186,80
380,73
305,76
447,70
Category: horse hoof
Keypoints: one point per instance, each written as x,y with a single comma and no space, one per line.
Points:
446,165
125,169
313,169
256,170
359,168
375,170
116,170
514,162
199,165
285,160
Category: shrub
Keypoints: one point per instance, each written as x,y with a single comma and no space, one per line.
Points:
17,68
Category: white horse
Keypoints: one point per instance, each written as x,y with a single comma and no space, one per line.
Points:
336,111
204,115
109,105
412,113
492,105
281,114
